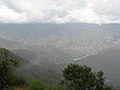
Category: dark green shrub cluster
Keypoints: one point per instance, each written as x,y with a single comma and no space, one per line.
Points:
81,77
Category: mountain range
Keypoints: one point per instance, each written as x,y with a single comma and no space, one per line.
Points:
47,48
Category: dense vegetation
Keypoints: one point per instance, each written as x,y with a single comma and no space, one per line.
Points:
6,64
75,77
81,77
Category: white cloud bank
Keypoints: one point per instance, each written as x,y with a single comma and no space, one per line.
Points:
60,11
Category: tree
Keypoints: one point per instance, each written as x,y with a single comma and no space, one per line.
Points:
81,77
6,69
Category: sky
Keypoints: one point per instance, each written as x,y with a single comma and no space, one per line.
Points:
60,11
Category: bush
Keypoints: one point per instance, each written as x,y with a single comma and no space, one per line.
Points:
58,87
35,85
19,81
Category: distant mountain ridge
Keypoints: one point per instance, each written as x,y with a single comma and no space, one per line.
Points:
75,40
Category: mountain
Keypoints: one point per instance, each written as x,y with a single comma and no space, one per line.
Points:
72,40
33,63
46,48
4,43
107,60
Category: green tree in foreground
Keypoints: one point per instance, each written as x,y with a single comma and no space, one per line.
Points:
6,69
81,77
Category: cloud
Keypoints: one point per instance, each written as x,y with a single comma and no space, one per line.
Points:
60,11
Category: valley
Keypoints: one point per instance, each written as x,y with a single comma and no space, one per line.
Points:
45,49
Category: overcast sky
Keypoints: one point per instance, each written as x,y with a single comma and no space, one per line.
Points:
60,11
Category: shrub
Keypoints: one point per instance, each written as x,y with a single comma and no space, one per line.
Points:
35,85
19,81
58,87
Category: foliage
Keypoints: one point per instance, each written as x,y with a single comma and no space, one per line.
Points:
35,85
58,87
75,77
19,81
6,68
81,77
